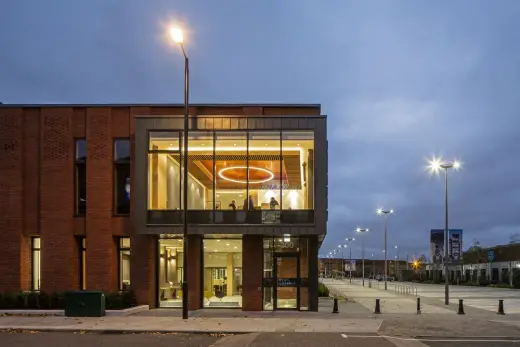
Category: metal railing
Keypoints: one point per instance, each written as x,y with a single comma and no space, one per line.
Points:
405,289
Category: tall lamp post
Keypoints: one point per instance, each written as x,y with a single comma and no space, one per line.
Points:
362,231
435,166
340,247
397,264
373,267
178,37
350,240
385,213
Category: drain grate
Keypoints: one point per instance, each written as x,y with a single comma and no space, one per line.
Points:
224,304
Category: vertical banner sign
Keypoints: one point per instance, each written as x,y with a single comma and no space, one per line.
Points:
455,246
436,245
350,266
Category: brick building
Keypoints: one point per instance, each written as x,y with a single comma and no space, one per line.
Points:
90,198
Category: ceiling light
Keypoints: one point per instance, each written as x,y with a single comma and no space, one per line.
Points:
218,240
216,251
227,244
235,247
262,180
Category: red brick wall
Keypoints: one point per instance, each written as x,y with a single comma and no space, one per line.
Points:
102,252
194,272
143,267
11,204
252,250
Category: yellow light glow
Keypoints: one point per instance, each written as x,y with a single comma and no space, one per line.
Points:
176,35
270,173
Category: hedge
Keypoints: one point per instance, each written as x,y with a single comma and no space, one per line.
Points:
56,301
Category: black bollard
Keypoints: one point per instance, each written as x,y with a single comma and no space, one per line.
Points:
418,305
501,307
461,307
335,309
378,307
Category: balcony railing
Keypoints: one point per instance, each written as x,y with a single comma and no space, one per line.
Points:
204,217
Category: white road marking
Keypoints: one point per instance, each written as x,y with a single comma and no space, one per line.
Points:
344,336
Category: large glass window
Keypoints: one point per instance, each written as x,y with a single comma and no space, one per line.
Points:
170,272
222,273
200,170
80,177
231,173
265,173
124,263
298,160
164,173
36,263
122,176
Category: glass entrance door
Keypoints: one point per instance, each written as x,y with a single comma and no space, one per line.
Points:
286,281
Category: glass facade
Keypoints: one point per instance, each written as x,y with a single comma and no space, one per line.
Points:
170,272
82,241
223,273
286,267
122,176
234,177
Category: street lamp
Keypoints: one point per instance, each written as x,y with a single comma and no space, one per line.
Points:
350,240
385,213
177,36
435,165
362,231
342,261
397,264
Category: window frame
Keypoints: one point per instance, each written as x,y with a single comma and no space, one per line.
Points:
35,250
77,161
120,249
114,174
82,245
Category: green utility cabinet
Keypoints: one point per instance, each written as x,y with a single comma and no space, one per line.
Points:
85,304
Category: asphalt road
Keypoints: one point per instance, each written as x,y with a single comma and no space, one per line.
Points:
249,340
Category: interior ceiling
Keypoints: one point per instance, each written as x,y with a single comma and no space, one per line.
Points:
210,245
200,165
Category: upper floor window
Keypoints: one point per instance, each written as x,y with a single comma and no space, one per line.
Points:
122,176
80,177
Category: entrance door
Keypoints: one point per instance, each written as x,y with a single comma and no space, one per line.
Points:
286,281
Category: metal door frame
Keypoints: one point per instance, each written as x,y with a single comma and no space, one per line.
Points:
277,255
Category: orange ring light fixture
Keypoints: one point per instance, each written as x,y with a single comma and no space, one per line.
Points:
222,175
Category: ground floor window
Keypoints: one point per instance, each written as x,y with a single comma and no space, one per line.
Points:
124,263
36,263
170,272
82,263
223,273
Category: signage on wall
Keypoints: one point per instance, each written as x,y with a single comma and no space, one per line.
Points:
454,246
287,282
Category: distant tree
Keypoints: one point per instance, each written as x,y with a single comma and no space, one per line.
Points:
475,246
514,238
422,259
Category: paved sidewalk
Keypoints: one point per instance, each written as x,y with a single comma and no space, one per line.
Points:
389,301
193,325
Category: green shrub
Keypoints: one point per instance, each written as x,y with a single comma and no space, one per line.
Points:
323,291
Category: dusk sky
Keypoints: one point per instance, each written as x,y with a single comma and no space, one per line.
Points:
400,81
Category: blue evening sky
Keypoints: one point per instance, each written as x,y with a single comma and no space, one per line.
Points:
399,81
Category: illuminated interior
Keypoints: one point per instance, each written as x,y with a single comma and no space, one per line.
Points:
275,170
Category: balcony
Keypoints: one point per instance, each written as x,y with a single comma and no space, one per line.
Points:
208,217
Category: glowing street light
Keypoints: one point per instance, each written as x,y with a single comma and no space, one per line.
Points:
385,213
176,34
435,165
350,240
362,231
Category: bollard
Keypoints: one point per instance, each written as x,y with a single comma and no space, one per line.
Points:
418,305
461,307
378,307
501,307
335,309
